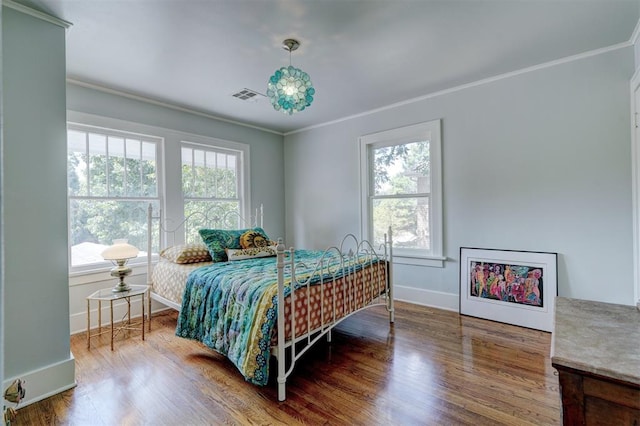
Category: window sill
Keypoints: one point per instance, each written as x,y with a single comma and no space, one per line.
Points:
429,261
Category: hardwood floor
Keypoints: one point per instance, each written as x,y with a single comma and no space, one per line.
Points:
432,367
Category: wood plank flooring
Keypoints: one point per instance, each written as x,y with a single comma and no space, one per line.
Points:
432,367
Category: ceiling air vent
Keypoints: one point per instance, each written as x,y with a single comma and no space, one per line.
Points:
247,94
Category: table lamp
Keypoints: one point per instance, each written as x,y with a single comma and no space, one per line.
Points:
118,254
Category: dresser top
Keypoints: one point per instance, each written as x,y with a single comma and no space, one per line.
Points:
596,337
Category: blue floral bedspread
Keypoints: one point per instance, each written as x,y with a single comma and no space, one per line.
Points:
231,307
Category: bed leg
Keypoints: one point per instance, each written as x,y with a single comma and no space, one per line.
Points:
281,388
329,336
392,311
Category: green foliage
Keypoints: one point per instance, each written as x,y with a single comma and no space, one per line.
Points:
101,222
383,159
208,213
206,182
412,159
208,174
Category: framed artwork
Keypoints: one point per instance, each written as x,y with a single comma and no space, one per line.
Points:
514,287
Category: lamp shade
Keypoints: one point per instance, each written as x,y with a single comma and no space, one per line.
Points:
120,250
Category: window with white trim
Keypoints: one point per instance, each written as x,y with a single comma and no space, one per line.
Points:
112,177
211,182
402,189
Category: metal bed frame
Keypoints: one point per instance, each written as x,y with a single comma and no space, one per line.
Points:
350,250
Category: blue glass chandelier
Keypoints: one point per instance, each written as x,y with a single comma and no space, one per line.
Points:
290,89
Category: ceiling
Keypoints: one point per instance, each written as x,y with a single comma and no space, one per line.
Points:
361,54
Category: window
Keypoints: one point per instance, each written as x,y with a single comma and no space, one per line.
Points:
116,169
112,176
402,190
211,183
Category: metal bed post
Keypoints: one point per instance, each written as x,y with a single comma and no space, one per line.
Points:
149,238
281,336
390,277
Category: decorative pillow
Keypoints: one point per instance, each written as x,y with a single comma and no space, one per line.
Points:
250,253
217,240
186,253
253,238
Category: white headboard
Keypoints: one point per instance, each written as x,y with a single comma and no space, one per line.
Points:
169,232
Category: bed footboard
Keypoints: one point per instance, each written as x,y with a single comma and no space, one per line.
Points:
362,279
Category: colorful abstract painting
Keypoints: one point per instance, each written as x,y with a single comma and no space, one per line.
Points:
512,283
512,286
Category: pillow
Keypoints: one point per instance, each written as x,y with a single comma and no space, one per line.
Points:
186,253
217,240
250,253
254,238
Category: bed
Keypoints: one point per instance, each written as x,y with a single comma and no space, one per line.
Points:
251,303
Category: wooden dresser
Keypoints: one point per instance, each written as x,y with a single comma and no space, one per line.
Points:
596,349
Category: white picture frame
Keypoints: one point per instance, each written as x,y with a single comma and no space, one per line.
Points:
510,286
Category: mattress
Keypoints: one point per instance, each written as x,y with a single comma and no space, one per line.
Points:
169,279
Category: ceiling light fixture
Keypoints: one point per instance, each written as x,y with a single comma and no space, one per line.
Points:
290,89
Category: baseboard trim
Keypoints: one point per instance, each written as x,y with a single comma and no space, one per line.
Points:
47,381
434,299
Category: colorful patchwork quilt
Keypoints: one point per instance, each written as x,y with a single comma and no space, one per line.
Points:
231,307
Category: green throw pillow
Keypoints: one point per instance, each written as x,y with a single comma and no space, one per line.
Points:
217,240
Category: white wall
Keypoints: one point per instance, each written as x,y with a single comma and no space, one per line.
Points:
266,169
535,161
634,40
1,223
36,303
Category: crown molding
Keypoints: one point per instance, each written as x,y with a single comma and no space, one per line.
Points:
37,14
473,84
165,104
